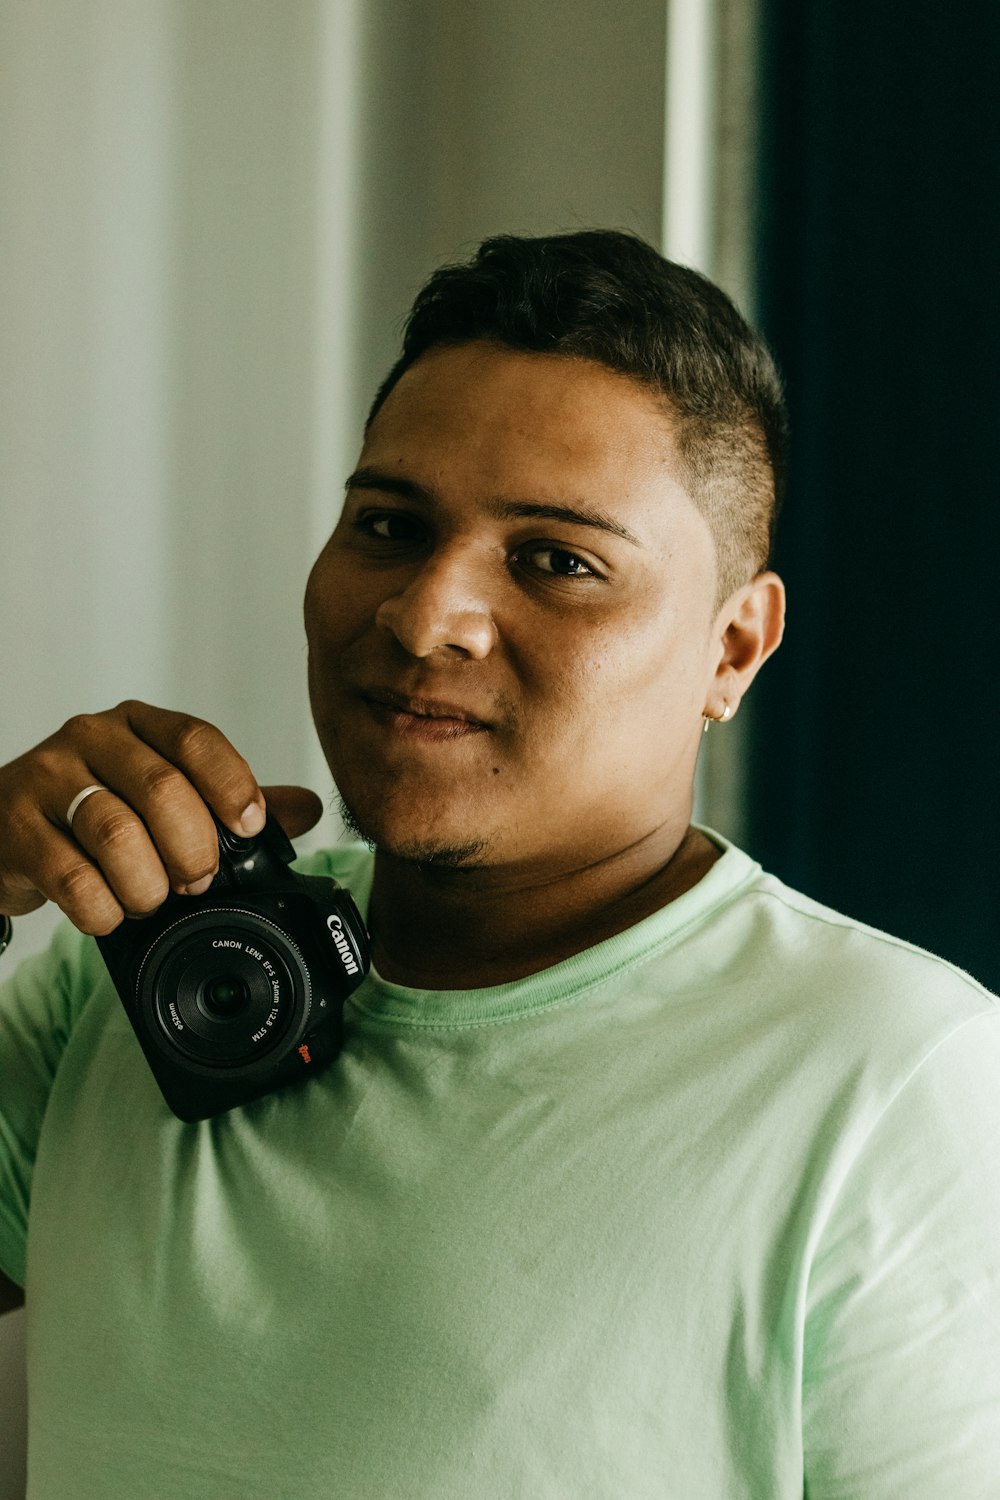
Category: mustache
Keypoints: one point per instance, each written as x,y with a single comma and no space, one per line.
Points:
437,693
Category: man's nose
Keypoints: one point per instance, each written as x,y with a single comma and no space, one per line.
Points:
445,607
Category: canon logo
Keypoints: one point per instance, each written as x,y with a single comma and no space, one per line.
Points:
343,947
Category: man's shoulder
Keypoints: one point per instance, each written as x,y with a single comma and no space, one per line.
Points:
860,948
764,960
858,977
58,980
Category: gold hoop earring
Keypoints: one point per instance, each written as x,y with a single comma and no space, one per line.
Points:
726,713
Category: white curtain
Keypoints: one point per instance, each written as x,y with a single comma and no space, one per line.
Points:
214,215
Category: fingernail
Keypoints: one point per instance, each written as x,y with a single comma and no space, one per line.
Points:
251,819
199,887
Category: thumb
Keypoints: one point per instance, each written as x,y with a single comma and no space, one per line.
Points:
296,808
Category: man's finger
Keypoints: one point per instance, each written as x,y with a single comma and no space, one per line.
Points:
17,900
296,808
214,768
62,874
118,842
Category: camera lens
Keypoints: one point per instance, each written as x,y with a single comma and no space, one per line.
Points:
224,996
224,987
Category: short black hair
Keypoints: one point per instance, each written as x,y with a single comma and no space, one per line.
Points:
608,296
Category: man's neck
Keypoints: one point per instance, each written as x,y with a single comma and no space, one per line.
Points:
445,929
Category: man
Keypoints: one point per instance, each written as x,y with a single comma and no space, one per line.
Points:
639,1174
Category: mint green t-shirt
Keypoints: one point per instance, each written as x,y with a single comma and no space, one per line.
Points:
710,1211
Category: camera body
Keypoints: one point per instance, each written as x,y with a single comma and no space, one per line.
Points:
240,991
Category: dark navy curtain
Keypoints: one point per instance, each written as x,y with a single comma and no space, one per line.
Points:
876,732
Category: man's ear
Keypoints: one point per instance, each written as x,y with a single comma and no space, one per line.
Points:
748,628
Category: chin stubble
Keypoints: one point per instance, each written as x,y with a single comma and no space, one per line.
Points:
438,856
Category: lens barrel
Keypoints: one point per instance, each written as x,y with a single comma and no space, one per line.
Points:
224,987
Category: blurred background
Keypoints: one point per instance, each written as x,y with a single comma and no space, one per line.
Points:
213,217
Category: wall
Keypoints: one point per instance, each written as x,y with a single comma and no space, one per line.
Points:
214,216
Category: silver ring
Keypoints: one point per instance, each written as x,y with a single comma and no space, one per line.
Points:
88,791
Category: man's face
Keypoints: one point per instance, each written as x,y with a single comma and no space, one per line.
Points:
511,628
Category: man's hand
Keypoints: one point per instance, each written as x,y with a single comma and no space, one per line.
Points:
148,829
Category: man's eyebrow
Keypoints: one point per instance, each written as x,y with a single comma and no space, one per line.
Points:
390,484
574,515
503,510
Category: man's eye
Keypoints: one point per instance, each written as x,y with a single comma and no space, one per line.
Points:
389,525
557,562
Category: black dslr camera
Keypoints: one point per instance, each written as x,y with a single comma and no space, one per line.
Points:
240,991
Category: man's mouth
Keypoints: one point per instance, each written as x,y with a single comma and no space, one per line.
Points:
422,718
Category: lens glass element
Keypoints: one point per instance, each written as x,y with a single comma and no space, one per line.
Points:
224,996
